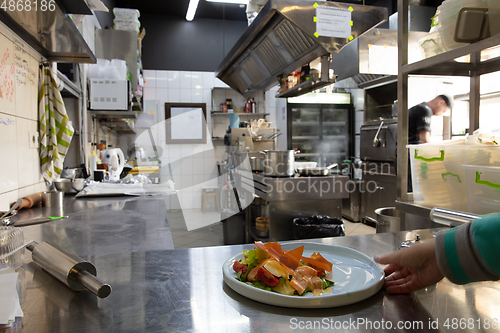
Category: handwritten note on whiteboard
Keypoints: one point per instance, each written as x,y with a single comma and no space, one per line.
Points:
333,22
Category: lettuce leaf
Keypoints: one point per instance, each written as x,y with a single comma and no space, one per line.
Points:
327,283
259,284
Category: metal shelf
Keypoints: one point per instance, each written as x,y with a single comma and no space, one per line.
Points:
241,114
69,89
304,87
316,123
119,126
113,114
445,64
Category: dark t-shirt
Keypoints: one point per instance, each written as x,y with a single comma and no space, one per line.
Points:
419,119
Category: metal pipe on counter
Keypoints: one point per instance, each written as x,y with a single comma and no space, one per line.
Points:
71,270
450,218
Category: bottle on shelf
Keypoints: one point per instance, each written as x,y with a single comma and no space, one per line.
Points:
229,105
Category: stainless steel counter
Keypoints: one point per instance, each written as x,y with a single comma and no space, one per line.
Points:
161,290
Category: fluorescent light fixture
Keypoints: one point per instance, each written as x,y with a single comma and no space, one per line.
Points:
236,2
193,5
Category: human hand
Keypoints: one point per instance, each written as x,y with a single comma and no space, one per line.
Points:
411,268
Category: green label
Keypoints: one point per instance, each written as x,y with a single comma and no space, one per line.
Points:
451,174
485,182
431,159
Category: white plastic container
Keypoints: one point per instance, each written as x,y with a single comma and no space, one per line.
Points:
126,14
127,25
438,178
483,189
447,33
431,45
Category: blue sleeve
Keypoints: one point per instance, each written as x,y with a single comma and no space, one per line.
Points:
471,252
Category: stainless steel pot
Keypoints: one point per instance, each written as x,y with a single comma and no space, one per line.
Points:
257,163
388,220
279,163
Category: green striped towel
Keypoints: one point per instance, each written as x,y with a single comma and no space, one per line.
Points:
55,129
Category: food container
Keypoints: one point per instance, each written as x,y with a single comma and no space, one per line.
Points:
431,45
437,175
483,189
256,163
11,247
128,25
126,14
279,163
447,33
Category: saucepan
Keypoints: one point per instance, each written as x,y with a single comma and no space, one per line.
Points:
279,163
316,171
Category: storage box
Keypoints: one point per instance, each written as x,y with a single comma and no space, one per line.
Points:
126,14
494,13
127,25
108,94
483,189
431,45
438,178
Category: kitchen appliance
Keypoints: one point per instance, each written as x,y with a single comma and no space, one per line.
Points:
107,94
115,160
284,37
316,171
378,142
320,127
279,163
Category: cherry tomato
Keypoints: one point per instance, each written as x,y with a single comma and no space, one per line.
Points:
239,267
267,278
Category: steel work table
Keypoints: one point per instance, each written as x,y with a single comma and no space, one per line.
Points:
161,290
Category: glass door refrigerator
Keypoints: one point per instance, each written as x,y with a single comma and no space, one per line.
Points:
319,127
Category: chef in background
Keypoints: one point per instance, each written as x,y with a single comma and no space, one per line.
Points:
253,9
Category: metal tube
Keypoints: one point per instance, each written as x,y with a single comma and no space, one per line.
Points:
93,283
71,270
450,218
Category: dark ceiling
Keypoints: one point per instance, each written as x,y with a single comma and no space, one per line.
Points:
178,8
213,10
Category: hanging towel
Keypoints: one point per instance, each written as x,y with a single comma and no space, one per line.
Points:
55,128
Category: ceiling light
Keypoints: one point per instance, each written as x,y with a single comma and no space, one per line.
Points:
237,2
193,5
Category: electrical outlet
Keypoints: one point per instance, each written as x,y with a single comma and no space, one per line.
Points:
33,139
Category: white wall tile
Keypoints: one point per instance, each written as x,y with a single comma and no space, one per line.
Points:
8,146
185,96
174,80
7,198
162,96
197,96
197,80
25,191
208,80
150,78
185,80
27,157
187,166
207,99
149,93
7,81
162,79
174,95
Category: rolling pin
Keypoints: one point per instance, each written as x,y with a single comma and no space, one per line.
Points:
30,201
71,270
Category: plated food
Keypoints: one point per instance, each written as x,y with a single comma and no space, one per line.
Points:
355,274
270,268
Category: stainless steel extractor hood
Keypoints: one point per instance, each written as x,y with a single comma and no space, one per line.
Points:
284,37
372,59
50,32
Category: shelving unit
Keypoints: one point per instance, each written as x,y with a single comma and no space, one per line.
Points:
441,64
250,115
119,126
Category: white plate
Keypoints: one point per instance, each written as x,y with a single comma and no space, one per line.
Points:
356,278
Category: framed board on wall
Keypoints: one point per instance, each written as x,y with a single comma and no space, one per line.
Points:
185,123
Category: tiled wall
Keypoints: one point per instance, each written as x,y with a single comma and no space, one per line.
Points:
20,167
193,166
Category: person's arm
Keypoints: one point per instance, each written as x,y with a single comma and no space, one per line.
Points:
411,268
470,252
465,254
424,136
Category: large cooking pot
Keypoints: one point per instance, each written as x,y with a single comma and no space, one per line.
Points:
256,163
279,163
